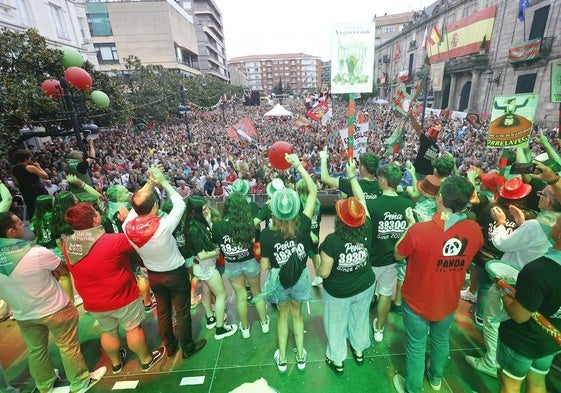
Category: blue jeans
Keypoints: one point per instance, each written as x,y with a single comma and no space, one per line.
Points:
483,284
346,318
417,330
173,288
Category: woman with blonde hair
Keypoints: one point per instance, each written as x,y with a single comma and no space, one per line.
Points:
286,245
235,236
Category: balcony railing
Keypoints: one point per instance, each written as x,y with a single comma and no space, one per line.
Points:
529,51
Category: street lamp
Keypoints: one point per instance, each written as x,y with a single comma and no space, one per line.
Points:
184,109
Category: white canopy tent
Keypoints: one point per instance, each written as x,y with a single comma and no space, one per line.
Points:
278,111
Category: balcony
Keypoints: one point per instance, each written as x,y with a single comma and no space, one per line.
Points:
529,51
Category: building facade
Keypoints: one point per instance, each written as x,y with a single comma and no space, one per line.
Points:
389,26
210,37
479,45
158,32
61,22
296,72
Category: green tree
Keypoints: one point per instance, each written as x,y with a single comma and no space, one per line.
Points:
25,62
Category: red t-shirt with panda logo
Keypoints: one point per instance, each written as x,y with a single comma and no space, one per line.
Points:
437,261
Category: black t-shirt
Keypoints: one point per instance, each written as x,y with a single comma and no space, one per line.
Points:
222,235
428,152
351,273
279,250
537,289
371,190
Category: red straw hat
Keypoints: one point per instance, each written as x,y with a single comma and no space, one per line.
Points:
429,186
515,188
351,212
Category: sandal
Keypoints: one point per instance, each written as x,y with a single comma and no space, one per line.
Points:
336,368
359,359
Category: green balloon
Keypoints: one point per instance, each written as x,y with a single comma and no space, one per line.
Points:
100,98
71,57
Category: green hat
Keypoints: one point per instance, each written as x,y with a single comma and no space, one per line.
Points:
241,186
285,204
118,193
274,186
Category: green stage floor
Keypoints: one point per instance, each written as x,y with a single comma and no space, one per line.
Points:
224,365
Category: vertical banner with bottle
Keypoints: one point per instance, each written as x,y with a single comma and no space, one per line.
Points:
352,65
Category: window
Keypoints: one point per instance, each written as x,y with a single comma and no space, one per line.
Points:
99,24
82,24
106,53
23,10
539,22
389,29
525,83
57,15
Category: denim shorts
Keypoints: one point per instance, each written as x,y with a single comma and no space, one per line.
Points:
249,268
129,317
386,278
301,292
516,366
204,269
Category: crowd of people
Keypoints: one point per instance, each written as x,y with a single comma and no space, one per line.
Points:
128,224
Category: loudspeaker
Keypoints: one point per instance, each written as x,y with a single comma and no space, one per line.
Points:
255,98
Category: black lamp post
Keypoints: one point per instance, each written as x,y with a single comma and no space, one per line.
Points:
184,108
69,103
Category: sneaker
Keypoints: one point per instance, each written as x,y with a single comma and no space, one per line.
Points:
245,332
317,281
378,334
225,331
282,366
480,365
265,326
468,296
249,294
399,383
195,300
301,362
122,355
478,320
194,348
211,321
156,357
95,377
434,386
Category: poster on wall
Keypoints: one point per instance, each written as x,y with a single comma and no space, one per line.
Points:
437,75
512,118
352,58
555,82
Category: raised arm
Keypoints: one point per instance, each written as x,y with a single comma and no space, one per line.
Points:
72,179
355,186
309,208
415,123
6,196
325,178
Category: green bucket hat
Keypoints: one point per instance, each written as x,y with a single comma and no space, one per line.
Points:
274,186
241,186
285,204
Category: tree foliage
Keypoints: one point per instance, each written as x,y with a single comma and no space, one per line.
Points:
145,91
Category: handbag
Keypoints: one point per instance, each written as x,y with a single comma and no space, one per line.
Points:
290,272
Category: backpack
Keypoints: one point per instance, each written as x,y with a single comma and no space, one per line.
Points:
291,271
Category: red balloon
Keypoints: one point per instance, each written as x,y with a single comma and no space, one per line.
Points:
78,77
52,88
277,152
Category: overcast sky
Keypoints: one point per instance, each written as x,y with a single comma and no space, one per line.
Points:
256,27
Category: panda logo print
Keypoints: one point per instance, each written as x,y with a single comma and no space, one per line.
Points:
452,255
